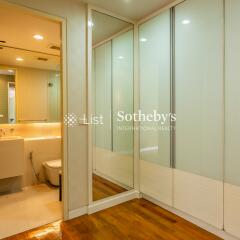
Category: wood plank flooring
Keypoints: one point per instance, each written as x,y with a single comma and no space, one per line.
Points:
134,220
103,188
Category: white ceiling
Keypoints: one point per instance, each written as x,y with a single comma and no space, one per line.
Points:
17,27
8,58
105,26
132,9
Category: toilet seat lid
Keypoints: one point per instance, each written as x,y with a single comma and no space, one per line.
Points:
54,163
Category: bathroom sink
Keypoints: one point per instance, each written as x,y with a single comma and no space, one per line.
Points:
11,156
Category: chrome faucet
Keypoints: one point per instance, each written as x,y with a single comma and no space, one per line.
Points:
2,132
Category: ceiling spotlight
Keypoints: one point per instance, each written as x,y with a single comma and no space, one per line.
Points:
10,71
186,21
90,24
38,37
19,59
143,40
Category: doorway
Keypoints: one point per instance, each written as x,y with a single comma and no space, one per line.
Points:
31,139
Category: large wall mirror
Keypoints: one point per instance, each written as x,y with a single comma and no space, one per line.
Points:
112,96
30,85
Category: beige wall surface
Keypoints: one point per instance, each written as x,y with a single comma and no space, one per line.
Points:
75,15
36,101
32,94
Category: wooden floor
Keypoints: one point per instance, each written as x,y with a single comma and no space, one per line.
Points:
137,220
103,188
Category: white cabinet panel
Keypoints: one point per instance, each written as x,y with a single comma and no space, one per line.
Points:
199,196
232,118
154,51
199,109
156,181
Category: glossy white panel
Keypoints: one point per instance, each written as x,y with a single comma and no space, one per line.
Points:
232,209
199,196
156,181
198,179
154,53
232,118
232,96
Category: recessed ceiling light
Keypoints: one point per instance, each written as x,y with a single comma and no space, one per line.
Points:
186,21
120,57
10,70
90,24
19,59
143,40
38,37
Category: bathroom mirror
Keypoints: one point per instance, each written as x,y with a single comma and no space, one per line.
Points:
30,81
7,96
112,95
30,91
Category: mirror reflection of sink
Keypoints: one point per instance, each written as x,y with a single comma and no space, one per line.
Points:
9,138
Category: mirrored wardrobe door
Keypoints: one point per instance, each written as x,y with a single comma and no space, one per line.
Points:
112,93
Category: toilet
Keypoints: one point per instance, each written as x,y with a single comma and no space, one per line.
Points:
52,169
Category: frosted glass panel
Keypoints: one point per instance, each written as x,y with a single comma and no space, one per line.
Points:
232,119
154,53
103,96
199,87
122,91
232,86
154,40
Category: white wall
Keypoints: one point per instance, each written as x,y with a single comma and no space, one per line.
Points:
75,15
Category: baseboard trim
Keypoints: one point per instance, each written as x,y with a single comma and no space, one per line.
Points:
218,232
77,212
112,201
